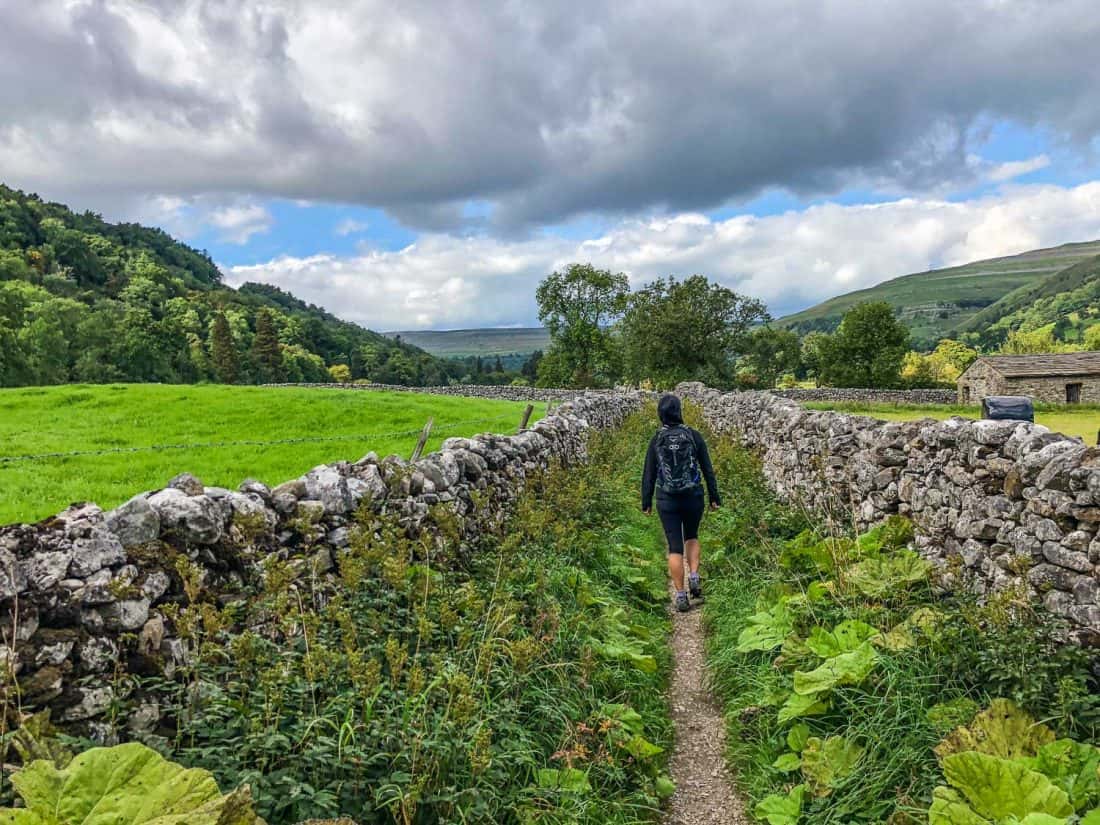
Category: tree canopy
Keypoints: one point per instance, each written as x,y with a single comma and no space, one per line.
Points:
866,350
577,306
687,330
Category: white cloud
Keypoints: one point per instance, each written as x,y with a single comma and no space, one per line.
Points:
232,218
350,226
1018,168
239,223
790,260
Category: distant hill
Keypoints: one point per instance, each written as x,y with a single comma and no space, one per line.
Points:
86,300
944,302
462,343
1068,299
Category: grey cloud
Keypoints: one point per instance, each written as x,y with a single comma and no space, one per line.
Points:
544,110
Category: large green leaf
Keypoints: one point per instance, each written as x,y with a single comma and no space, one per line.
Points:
922,621
787,762
664,786
827,762
1002,730
879,577
641,748
1072,766
623,650
630,720
849,668
766,630
782,810
797,737
797,707
568,780
950,808
1091,818
129,784
843,638
998,788
809,551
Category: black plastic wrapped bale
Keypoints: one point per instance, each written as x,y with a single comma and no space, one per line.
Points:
1008,408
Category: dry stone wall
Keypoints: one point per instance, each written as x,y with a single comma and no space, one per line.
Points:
995,504
504,392
88,595
837,394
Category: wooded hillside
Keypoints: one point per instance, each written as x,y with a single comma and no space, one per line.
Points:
86,300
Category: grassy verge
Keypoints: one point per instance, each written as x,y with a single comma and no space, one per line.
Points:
523,683
842,669
1081,421
73,418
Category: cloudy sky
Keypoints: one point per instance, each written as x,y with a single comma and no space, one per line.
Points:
423,164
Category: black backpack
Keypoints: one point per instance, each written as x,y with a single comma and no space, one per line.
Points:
677,466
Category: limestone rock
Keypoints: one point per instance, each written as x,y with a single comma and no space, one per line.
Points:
187,483
135,522
195,519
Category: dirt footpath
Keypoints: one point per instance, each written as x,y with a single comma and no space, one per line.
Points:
704,788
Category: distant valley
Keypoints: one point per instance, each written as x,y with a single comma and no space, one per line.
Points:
462,343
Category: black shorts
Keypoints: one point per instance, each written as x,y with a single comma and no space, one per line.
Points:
680,516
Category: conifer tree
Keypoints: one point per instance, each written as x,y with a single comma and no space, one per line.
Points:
266,351
223,351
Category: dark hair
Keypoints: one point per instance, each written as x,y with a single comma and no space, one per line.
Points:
669,410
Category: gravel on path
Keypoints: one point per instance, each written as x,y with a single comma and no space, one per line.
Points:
704,788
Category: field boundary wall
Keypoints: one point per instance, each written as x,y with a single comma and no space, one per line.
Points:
995,504
843,395
87,595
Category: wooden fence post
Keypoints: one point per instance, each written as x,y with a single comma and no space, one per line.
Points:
427,431
530,408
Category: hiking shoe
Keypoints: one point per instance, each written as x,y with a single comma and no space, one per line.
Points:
682,603
695,586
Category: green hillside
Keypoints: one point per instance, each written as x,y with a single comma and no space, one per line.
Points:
461,343
1068,299
936,303
85,300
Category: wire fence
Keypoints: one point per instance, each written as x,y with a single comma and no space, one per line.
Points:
436,429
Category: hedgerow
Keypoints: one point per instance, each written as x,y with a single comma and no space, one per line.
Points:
521,681
845,673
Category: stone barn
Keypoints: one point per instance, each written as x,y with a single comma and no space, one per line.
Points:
1056,378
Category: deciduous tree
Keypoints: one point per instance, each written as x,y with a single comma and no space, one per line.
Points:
577,306
687,330
866,350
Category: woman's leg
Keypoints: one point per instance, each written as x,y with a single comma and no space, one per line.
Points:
693,515
692,552
673,523
676,571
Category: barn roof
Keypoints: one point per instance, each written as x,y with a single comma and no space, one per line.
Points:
1028,366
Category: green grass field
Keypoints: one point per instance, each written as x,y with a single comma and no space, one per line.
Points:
1082,421
78,417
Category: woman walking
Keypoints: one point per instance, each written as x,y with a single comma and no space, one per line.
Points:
676,464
